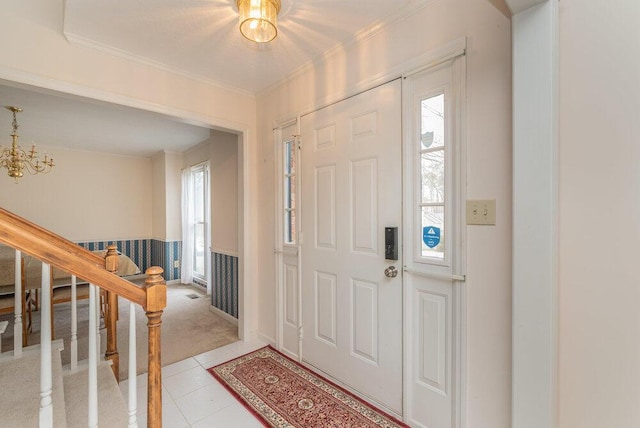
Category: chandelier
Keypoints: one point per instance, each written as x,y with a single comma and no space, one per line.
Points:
17,160
258,19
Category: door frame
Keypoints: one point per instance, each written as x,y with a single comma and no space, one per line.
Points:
456,270
247,285
281,249
206,167
433,58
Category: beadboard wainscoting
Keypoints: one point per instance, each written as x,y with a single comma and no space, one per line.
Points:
224,293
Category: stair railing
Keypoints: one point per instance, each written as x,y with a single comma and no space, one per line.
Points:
55,251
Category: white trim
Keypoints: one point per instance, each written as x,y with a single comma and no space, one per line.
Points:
460,262
535,183
517,6
77,40
456,46
263,337
87,241
278,230
453,52
283,249
430,274
224,252
21,79
222,314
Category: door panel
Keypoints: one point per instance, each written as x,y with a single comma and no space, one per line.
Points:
434,252
350,191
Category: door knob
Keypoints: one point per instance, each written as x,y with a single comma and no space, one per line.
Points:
391,272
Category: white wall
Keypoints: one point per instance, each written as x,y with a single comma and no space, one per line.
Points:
489,171
599,291
158,197
221,150
224,192
88,196
173,197
166,193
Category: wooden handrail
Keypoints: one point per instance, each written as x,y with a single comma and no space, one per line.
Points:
55,239
66,255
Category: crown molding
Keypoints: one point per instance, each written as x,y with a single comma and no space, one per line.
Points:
362,35
78,40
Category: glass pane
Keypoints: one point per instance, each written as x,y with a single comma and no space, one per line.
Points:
290,227
198,254
432,122
433,232
198,195
288,194
432,166
289,157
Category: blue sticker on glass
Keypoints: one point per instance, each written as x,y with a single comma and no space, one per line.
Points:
431,236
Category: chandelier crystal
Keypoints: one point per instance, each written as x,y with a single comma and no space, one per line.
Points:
17,160
259,19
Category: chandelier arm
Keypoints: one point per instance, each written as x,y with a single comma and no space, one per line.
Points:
16,160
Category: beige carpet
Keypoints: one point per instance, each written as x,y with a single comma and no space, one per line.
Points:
189,328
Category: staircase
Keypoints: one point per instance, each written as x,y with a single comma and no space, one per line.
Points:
36,391
19,405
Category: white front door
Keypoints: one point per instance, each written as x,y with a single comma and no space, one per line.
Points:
351,189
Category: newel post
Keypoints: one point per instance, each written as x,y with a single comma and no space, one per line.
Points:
111,314
156,290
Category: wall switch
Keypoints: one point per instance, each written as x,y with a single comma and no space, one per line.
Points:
176,263
481,212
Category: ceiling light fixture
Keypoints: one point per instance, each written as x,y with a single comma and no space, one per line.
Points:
17,160
258,19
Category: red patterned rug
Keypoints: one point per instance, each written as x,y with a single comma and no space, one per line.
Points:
282,393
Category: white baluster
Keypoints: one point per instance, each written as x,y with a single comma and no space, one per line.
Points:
133,421
46,381
74,323
97,304
93,360
17,325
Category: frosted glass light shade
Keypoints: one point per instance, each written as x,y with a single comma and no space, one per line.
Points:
259,19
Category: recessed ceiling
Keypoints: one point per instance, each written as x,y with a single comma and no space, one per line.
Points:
200,37
55,120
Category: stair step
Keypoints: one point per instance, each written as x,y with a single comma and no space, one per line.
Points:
112,409
20,392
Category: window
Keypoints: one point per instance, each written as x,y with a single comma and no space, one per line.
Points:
199,183
289,170
432,147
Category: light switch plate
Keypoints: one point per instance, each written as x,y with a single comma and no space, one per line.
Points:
481,212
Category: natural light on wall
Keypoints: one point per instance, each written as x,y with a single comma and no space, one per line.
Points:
258,19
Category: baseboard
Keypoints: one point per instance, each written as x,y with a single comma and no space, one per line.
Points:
224,315
263,337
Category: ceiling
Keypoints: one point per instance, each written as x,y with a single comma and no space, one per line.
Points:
196,38
200,38
54,120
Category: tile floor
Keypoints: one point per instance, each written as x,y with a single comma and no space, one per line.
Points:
191,397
